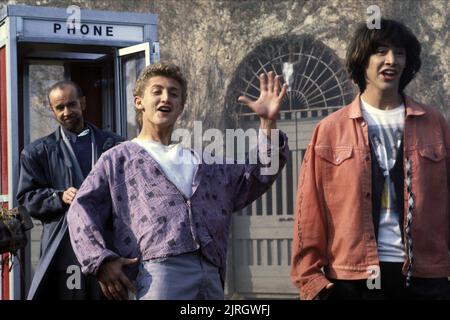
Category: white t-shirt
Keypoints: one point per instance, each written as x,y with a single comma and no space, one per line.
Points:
385,134
179,164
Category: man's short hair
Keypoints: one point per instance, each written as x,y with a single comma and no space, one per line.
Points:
163,69
366,41
63,83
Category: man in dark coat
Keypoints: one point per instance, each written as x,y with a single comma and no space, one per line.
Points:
52,170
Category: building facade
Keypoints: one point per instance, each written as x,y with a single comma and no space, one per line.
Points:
223,45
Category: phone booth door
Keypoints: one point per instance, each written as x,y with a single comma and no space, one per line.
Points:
130,62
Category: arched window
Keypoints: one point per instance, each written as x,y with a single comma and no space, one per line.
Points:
318,83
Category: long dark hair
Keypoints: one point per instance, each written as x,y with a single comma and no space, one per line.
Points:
366,41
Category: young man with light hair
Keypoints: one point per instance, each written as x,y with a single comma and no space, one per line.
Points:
169,215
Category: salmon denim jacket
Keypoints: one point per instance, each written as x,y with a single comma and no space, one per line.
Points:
334,234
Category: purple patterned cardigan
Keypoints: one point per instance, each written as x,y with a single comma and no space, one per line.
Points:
128,194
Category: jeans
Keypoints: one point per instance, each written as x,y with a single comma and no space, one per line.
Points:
183,277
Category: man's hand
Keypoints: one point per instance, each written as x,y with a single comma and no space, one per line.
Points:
268,104
69,195
113,282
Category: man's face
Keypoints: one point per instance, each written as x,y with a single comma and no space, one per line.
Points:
384,69
68,108
161,103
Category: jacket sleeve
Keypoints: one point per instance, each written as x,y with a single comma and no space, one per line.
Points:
88,218
309,243
446,129
35,192
250,181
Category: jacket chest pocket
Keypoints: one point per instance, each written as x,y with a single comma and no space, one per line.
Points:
336,156
434,153
431,166
338,167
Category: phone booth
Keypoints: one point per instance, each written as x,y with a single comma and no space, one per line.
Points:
102,51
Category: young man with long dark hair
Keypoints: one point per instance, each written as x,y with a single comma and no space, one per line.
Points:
373,197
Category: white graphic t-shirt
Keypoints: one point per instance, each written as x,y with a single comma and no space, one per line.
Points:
385,134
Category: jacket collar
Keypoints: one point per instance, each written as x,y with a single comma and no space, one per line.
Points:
102,143
73,137
412,107
87,125
355,108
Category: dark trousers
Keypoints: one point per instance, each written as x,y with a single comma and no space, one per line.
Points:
61,283
393,287
58,283
56,288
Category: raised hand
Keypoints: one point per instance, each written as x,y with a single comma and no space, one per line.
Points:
268,104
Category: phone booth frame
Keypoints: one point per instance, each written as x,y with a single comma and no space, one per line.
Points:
124,33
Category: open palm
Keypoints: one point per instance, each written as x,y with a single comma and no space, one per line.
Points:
268,104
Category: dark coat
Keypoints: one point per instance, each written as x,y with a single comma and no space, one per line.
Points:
46,170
